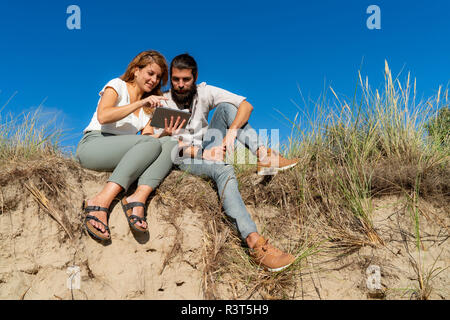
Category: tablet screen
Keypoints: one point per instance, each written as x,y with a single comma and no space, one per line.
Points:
162,113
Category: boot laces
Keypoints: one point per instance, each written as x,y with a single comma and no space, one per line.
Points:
269,247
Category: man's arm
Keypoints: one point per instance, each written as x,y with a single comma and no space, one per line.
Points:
242,116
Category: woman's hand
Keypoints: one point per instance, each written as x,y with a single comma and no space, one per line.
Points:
172,128
108,113
153,101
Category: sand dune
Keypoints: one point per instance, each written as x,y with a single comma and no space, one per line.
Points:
181,258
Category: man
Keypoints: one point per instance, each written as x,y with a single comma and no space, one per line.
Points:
203,150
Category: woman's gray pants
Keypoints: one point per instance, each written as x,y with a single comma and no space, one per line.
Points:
129,157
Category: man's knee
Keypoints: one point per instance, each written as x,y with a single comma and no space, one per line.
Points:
223,116
226,108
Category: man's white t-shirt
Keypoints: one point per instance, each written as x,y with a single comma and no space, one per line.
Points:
207,98
128,125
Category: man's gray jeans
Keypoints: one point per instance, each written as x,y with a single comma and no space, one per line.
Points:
222,173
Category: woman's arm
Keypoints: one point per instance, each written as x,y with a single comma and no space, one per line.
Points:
108,113
149,130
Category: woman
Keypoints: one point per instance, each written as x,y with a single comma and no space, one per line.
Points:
111,143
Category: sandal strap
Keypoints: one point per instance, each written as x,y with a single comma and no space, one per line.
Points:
132,205
133,219
136,219
95,208
89,217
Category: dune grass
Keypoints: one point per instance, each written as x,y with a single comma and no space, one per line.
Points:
352,152
351,148
26,136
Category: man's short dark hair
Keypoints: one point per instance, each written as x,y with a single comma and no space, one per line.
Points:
184,61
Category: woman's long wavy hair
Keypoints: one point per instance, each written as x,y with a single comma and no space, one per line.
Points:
142,60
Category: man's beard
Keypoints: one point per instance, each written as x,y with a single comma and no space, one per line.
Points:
184,100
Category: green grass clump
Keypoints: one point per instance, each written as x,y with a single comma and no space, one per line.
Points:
27,137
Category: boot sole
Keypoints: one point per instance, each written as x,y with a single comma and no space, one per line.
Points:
278,269
267,171
271,171
287,167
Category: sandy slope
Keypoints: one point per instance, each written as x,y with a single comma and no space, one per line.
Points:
36,252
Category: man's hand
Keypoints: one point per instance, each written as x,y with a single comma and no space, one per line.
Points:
172,128
214,154
229,140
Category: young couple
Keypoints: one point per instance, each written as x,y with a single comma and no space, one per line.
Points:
111,143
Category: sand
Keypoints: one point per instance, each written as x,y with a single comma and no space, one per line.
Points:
36,253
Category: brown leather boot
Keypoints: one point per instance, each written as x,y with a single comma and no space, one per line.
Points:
269,257
274,162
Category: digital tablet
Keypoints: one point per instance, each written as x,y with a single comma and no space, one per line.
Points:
162,113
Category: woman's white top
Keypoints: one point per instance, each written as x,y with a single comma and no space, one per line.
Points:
131,124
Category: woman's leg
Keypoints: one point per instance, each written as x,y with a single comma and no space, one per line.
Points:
153,176
127,156
160,168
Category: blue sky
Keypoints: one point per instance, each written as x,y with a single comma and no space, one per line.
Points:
264,50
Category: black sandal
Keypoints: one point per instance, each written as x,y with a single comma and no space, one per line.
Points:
132,219
93,231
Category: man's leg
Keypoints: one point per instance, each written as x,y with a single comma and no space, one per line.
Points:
269,161
261,250
225,179
223,174
222,119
